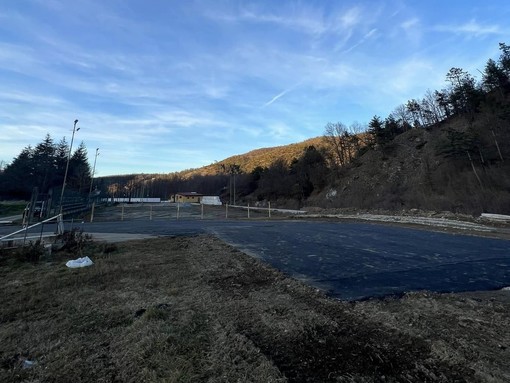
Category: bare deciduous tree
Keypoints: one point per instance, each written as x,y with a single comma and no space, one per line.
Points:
344,142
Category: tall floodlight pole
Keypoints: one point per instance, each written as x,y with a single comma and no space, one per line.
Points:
67,165
93,172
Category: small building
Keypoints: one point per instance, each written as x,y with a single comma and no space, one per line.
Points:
188,197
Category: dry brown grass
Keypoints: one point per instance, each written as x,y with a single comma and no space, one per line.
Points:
192,309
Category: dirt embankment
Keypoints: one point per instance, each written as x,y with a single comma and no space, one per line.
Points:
194,309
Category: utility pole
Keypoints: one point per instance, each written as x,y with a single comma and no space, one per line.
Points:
93,172
67,165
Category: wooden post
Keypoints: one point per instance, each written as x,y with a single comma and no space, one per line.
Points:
60,224
122,214
269,209
92,211
248,210
497,145
202,211
150,215
226,210
474,169
178,207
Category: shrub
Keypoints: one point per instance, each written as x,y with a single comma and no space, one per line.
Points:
74,241
30,253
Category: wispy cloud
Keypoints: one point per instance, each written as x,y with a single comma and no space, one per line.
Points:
411,29
471,28
279,95
301,18
172,80
367,36
410,24
350,18
279,130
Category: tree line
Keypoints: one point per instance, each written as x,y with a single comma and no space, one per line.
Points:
296,179
43,166
463,96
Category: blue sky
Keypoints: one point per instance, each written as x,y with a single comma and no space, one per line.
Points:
165,85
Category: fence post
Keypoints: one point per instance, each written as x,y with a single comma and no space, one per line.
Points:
202,211
269,210
60,224
122,214
248,210
92,211
150,215
178,209
226,210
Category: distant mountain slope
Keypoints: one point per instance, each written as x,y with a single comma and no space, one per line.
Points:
460,164
263,157
427,169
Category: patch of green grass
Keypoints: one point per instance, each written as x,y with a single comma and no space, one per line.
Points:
12,208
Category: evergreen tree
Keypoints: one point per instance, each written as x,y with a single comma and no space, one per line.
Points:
376,129
17,177
504,58
494,76
464,95
44,167
79,175
44,163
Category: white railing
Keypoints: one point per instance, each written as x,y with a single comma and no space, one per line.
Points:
60,230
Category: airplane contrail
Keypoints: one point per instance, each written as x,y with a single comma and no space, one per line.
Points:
277,97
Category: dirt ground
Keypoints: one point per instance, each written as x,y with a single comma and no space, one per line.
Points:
193,309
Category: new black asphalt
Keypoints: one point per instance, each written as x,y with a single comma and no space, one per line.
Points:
351,260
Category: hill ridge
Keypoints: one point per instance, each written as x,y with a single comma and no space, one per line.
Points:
260,157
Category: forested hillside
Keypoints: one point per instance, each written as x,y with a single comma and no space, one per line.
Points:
258,158
449,150
461,165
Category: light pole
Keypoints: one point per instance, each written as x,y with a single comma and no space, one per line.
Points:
93,172
67,165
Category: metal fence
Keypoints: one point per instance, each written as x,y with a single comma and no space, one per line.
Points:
35,232
144,211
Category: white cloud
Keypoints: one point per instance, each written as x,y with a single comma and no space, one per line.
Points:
351,18
470,28
367,36
310,20
218,78
410,24
412,30
281,94
279,130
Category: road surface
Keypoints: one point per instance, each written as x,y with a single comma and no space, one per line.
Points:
351,260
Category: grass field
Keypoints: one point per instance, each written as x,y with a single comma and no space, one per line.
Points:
12,208
193,309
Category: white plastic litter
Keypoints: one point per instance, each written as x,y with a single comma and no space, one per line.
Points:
28,364
80,262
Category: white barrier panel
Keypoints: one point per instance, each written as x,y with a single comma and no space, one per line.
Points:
496,217
210,200
134,200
